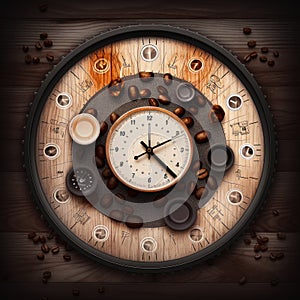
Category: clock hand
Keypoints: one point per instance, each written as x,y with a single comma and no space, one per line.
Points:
149,138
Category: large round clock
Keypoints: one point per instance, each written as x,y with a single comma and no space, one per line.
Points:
149,148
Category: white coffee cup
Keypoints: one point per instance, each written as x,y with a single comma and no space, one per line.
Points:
84,129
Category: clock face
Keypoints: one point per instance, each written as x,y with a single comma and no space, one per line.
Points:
150,148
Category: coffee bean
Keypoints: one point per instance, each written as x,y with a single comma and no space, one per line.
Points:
160,201
43,35
48,43
38,46
40,256
103,128
264,50
50,235
162,90
201,137
134,222
47,274
202,173
188,121
113,117
257,256
212,183
263,248
43,7
117,215
247,241
67,257
164,99
43,239
115,87
145,93
265,239
100,151
55,249
50,57
179,111
28,59
247,30
107,173
259,239
45,248
276,53
168,78
92,111
31,235
200,100
257,247
275,212
272,256
36,239
271,62
243,280
35,60
279,255
128,210
153,102
112,183
253,54
75,292
281,236
146,76
106,201
99,162
101,290
133,92
263,58
251,44
199,192
25,48
247,58
216,113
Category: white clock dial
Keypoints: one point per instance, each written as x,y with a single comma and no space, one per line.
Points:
149,149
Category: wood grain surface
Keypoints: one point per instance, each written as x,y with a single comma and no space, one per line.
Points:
69,24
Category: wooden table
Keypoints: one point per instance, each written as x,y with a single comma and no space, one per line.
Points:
69,24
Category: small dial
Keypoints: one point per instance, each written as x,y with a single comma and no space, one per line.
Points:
149,149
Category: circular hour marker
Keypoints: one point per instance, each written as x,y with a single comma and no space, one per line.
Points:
101,233
149,53
196,234
148,244
51,151
61,195
234,102
101,66
247,151
63,100
234,197
185,92
195,65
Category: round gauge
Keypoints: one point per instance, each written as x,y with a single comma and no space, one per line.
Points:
149,148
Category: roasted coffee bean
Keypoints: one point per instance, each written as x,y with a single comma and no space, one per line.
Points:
263,248
146,76
28,59
160,201
134,222
193,110
212,183
36,239
107,173
117,215
43,7
50,235
101,290
43,35
115,87
188,121
92,111
257,247
257,256
67,257
168,78
279,255
38,46
48,43
145,93
276,53
128,210
55,249
200,100
275,212
216,113
281,236
103,128
243,280
202,173
247,241
132,193
35,59
153,102
31,235
272,256
201,137
25,48
50,57
133,92
253,54
179,111
45,248
264,50
200,192
247,30
263,58
247,58
99,162
100,151
40,256
162,90
47,274
43,239
265,239
251,44
271,62
106,201
75,292
259,239
112,183
113,117
164,99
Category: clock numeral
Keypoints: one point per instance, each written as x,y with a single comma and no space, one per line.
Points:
122,133
165,176
149,118
132,122
177,165
133,174
116,149
121,163
149,180
167,122
182,149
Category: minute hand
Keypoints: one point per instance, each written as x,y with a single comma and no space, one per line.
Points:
166,141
